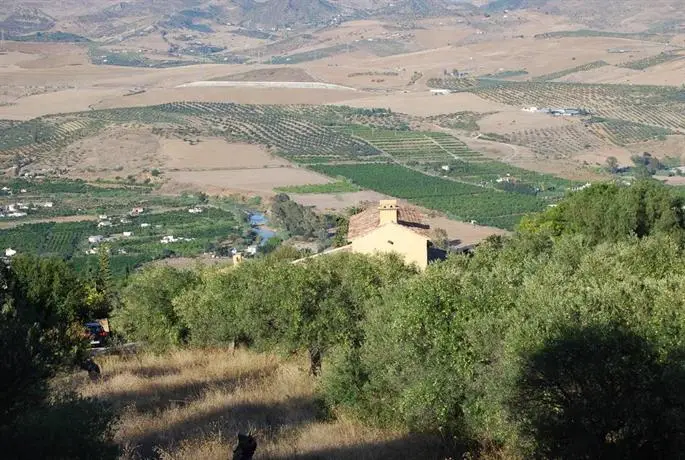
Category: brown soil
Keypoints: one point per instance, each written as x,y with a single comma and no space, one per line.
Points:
213,153
259,180
277,74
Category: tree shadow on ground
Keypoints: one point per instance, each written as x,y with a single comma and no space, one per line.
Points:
413,446
266,418
158,396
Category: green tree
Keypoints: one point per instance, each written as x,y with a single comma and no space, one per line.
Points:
146,313
38,337
600,392
611,212
612,165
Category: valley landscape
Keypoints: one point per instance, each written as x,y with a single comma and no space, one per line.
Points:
182,133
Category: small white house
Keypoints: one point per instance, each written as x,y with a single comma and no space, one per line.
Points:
104,223
195,210
127,234
9,252
144,225
17,214
95,239
251,250
102,217
47,204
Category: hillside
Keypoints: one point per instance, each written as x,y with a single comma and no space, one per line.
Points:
628,15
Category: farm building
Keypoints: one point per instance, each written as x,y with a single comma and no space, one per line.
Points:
392,228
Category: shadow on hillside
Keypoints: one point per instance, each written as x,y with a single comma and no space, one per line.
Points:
411,447
266,418
157,396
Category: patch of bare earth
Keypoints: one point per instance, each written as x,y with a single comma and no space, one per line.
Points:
327,202
512,120
257,180
277,74
117,151
214,153
190,404
424,103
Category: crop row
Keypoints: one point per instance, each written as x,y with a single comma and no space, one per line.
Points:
651,61
621,132
461,201
654,106
562,141
414,145
562,73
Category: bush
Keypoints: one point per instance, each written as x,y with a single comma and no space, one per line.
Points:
147,314
599,392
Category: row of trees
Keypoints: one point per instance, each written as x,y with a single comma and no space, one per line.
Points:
563,341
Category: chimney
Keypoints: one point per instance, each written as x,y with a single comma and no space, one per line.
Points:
387,212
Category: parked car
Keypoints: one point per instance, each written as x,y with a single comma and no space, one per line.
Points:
97,334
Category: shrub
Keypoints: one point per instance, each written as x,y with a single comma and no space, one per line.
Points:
147,313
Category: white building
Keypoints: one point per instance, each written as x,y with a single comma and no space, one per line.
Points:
195,210
127,234
95,239
104,223
9,252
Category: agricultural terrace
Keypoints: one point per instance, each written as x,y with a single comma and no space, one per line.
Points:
658,106
311,135
459,200
415,146
299,133
649,105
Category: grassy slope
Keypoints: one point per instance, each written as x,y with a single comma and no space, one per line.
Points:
190,404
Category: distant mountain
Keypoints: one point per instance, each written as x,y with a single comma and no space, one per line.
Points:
411,9
25,20
616,15
289,13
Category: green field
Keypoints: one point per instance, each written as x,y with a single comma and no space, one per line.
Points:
459,200
221,222
342,186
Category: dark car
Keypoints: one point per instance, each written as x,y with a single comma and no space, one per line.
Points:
97,334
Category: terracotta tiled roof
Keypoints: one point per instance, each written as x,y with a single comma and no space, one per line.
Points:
368,220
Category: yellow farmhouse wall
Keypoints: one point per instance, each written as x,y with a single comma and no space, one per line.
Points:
407,243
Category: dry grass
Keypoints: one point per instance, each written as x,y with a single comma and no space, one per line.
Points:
190,404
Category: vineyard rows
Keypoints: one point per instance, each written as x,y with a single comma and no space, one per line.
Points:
461,201
556,142
621,132
649,105
405,146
